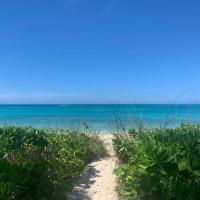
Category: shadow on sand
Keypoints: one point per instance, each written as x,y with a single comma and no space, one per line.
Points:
85,182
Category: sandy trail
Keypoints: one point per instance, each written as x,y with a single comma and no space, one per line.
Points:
98,182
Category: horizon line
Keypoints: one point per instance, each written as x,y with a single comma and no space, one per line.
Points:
7,104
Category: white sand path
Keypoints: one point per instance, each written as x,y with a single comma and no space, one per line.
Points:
98,182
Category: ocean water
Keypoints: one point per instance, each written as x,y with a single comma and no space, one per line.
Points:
99,117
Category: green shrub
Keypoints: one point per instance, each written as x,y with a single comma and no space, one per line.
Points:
162,165
123,146
36,164
95,148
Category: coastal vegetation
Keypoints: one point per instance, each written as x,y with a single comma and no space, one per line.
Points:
154,164
42,164
159,163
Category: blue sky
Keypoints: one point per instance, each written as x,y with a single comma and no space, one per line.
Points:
99,51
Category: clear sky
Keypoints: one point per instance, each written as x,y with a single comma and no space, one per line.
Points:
99,51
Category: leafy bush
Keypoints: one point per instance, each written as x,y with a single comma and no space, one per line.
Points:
36,164
95,148
123,146
162,165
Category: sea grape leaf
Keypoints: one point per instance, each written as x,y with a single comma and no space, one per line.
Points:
183,164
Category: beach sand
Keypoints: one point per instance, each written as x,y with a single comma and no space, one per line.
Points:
98,181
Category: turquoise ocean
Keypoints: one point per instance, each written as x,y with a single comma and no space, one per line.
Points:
99,117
